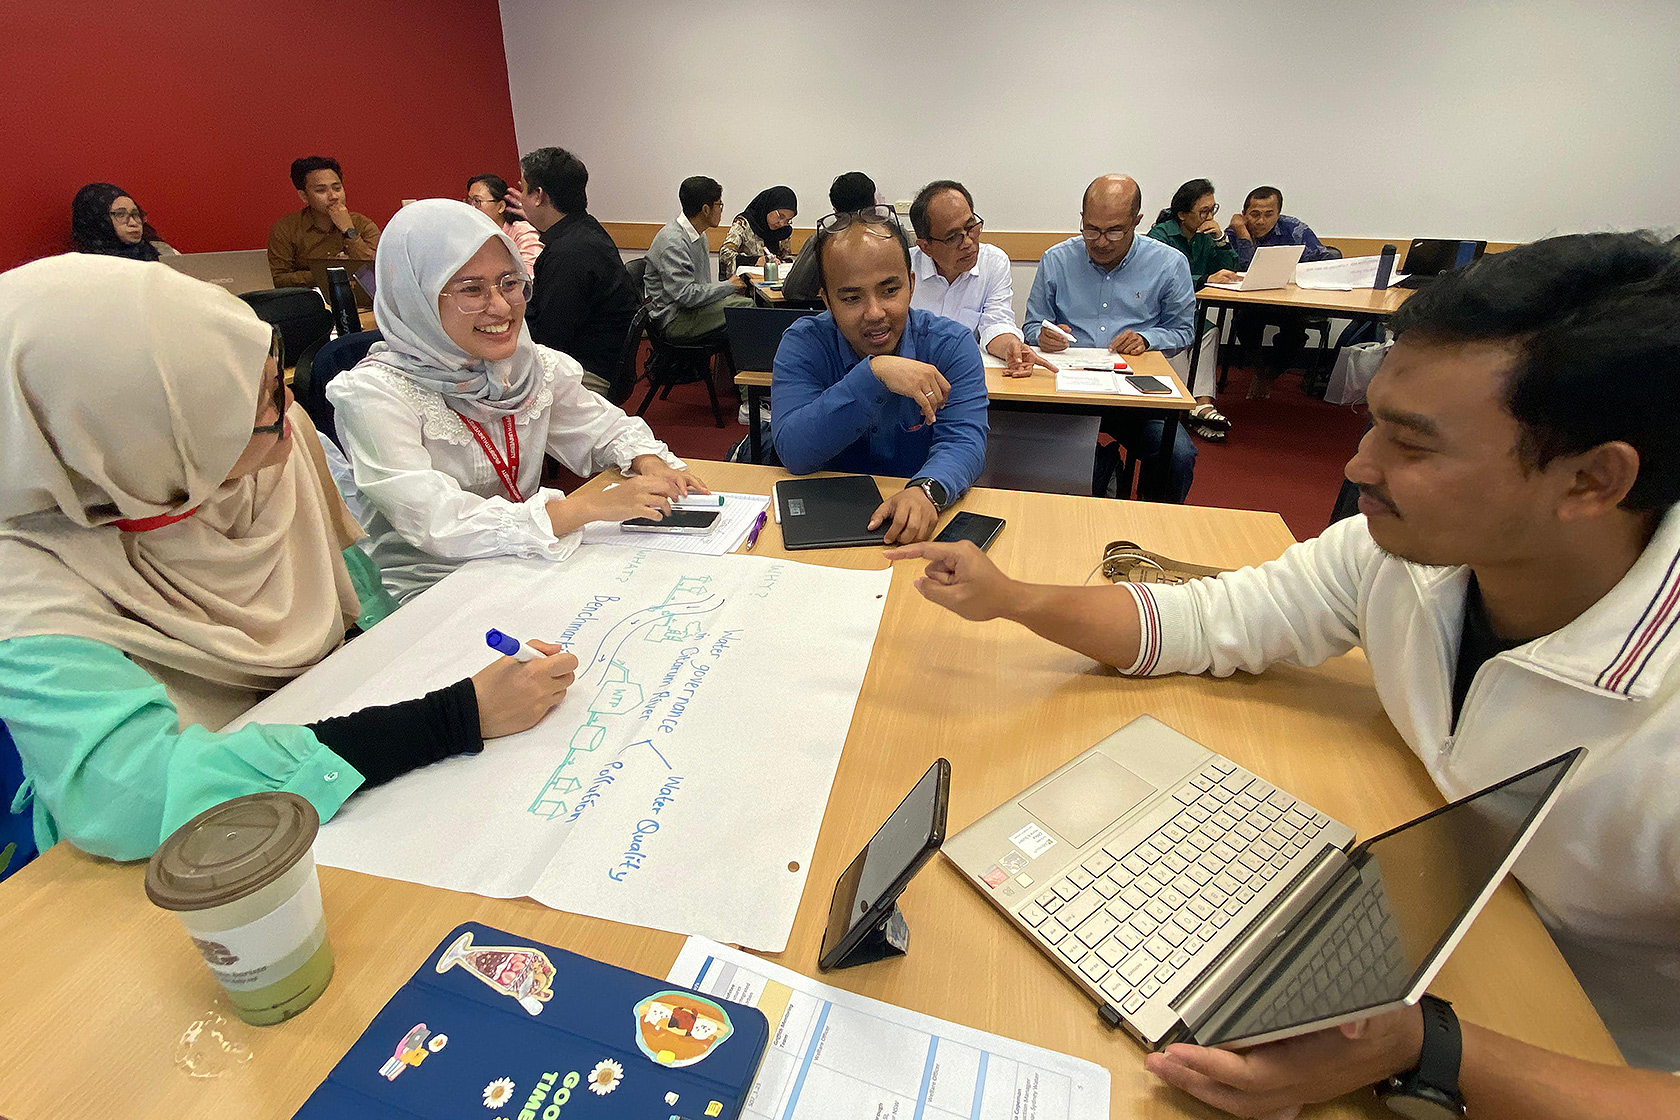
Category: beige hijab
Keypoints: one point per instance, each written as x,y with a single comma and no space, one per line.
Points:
127,392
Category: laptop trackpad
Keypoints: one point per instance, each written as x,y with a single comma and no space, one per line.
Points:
1087,799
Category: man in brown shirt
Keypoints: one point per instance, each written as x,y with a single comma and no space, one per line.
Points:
325,227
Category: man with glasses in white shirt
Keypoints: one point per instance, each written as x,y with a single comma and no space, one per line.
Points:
962,279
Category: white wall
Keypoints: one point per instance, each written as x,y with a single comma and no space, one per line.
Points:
1505,121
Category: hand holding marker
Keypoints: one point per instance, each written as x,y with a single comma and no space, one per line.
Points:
509,646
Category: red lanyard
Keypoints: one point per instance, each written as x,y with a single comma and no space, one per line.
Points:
507,470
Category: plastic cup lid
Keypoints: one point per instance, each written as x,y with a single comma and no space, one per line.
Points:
231,850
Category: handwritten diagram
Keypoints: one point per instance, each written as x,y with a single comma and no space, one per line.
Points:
635,648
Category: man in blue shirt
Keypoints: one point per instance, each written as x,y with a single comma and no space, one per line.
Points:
1112,289
873,387
1263,222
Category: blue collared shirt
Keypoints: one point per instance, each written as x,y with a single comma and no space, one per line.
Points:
1288,231
832,413
1149,292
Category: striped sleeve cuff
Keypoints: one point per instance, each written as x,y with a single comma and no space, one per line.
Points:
1149,632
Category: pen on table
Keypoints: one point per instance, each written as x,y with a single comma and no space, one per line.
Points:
758,527
511,646
698,501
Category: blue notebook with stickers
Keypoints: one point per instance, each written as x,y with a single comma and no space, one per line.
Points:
502,1028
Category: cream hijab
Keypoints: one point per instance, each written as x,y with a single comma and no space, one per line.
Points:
127,392
423,246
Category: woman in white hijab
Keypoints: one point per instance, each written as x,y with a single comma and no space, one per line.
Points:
446,421
170,552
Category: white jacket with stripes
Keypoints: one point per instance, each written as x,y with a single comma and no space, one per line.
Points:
1604,870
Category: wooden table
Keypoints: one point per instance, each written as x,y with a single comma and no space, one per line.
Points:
1360,305
99,986
1037,393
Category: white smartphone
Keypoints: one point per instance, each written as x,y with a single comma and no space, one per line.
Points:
677,521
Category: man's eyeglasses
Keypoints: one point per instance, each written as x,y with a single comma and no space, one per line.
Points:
121,216
278,428
1111,234
472,297
1205,212
878,215
971,228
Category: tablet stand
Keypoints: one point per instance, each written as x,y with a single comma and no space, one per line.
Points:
889,938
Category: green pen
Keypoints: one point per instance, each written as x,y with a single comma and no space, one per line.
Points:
698,501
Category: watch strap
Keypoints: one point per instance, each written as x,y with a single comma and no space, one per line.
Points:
1443,1046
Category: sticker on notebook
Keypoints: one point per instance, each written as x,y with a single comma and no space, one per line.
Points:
412,1050
677,1029
1033,840
498,1092
995,877
514,970
604,1078
1013,862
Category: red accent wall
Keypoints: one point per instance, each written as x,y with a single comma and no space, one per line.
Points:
199,108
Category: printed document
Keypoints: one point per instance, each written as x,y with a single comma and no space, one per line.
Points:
836,1054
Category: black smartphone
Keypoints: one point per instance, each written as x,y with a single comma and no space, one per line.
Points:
976,527
867,892
677,521
1154,386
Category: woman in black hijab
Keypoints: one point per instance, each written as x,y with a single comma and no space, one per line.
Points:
760,230
105,219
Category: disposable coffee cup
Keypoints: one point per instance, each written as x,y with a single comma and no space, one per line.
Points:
241,878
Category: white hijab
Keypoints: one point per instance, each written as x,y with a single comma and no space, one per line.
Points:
424,245
127,392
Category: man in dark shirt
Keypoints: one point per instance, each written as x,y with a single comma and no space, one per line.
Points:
582,301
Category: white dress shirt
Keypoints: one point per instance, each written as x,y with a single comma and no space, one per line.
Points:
435,499
981,299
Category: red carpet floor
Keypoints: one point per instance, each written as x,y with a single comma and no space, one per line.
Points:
1284,454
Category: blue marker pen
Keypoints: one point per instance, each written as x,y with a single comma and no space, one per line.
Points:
511,646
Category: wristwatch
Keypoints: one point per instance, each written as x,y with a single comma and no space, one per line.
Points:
1429,1091
351,233
934,490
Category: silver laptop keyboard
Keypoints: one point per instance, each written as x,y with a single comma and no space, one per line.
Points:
1140,921
1356,960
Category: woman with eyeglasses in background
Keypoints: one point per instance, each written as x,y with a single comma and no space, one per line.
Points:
760,231
105,219
489,194
172,556
1189,224
446,421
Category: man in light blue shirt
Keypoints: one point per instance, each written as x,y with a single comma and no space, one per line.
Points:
1111,289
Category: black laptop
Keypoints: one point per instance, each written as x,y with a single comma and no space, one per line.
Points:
828,512
755,332
1428,259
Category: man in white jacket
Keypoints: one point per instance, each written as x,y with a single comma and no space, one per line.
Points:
1515,583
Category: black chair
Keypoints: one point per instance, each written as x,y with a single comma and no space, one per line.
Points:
674,363
332,359
300,313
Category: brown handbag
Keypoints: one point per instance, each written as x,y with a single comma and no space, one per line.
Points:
1126,561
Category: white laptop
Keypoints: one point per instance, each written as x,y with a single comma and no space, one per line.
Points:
1197,902
239,271
1273,266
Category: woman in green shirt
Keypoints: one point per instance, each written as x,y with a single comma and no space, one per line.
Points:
172,550
1189,226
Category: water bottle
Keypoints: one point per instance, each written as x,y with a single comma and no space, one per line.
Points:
1385,267
343,300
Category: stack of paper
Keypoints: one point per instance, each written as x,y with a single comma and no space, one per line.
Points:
833,1053
739,512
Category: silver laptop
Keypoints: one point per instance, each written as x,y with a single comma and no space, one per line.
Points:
1197,902
1273,266
239,271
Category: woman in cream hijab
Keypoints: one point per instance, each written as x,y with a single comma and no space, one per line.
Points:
170,552
446,421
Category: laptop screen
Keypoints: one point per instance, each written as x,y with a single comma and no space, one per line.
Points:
1392,916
